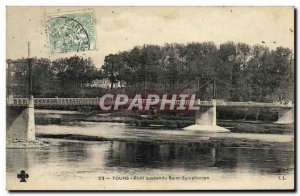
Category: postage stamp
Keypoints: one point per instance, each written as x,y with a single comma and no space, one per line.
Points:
72,32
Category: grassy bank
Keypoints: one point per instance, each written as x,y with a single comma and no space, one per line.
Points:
247,127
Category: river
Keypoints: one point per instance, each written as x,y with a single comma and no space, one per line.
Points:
138,161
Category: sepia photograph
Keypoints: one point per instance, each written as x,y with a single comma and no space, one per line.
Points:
150,98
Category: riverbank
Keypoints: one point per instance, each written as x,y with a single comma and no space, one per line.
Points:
98,132
157,122
25,144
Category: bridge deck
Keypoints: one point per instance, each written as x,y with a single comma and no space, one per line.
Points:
96,101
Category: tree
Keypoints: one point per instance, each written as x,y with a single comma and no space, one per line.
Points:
73,75
44,80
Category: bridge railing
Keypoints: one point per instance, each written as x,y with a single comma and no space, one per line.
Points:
17,102
85,101
66,101
251,104
96,101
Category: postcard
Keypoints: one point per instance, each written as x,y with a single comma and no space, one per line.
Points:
150,98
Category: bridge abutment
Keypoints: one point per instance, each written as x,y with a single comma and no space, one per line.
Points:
206,120
20,122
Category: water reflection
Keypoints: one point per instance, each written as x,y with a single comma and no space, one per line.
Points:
266,160
74,152
195,156
151,155
17,159
90,157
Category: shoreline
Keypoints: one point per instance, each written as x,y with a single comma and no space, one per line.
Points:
211,142
18,144
235,126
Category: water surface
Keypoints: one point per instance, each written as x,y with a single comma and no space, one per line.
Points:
71,164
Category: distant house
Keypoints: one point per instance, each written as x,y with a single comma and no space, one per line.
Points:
103,83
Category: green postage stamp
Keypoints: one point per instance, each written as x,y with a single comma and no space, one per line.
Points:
72,32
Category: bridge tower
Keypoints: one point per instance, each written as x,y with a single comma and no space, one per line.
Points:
20,122
206,120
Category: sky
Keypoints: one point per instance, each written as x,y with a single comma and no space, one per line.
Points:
122,28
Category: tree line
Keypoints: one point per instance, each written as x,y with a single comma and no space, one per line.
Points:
240,72
64,77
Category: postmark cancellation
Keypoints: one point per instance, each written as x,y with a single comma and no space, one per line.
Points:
71,32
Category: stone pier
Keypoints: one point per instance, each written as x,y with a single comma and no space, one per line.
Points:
206,120
285,116
20,122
